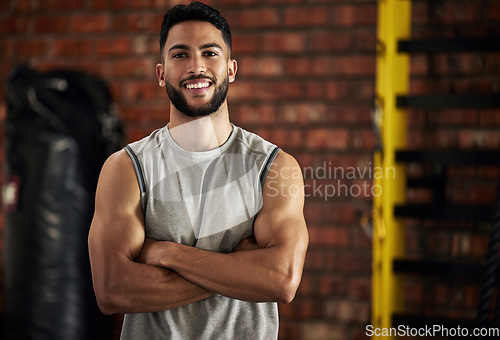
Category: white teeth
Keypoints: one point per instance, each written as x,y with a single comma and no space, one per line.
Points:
197,86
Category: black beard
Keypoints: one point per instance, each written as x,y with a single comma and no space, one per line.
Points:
180,102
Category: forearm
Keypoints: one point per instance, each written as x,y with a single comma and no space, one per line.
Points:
266,274
131,287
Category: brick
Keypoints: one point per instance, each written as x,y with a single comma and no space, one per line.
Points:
3,111
364,41
419,195
437,295
473,192
51,24
141,3
488,172
414,291
246,42
473,85
464,296
289,329
89,23
425,86
136,22
478,138
260,66
300,17
318,330
253,115
108,4
355,115
143,90
298,65
323,138
253,18
133,68
283,42
317,90
360,287
360,15
117,46
419,65
285,138
236,2
136,133
353,89
327,236
493,10
326,41
304,113
438,243
492,63
453,117
11,26
462,11
242,90
348,310
420,13
319,260
301,309
23,5
4,6
72,47
355,263
323,285
146,113
59,5
343,15
279,90
143,45
284,1
354,65
30,47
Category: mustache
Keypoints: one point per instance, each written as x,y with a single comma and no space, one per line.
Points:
200,76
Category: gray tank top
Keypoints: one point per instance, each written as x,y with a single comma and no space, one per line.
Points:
207,200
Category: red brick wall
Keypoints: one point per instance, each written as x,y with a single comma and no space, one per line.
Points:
305,82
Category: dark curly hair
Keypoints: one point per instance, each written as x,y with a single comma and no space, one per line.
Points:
194,11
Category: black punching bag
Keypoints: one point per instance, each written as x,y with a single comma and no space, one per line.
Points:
60,128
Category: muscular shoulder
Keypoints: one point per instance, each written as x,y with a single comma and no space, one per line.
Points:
284,170
117,187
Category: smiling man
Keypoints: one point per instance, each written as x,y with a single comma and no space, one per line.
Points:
188,238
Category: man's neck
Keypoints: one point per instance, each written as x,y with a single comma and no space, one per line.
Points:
200,134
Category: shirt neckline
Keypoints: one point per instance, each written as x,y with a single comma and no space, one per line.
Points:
202,154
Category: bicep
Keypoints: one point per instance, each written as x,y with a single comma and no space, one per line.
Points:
117,228
281,219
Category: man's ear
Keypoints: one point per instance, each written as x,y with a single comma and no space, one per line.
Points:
160,73
232,67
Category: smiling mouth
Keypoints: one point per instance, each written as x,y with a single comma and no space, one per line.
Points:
200,85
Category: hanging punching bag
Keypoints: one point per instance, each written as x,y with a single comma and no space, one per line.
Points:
60,128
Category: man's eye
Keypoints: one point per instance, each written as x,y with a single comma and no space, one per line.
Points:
179,55
210,54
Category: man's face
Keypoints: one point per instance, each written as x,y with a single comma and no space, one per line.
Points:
196,70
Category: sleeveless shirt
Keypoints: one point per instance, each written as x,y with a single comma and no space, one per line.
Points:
207,200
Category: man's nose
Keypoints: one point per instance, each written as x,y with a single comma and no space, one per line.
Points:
197,65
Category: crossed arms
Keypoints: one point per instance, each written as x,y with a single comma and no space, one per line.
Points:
134,274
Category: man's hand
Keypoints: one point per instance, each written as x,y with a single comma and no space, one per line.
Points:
149,253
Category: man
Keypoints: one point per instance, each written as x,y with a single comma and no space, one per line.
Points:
198,229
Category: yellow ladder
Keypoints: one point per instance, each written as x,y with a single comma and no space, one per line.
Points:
394,23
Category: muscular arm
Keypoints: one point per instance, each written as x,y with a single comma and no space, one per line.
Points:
270,273
115,240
